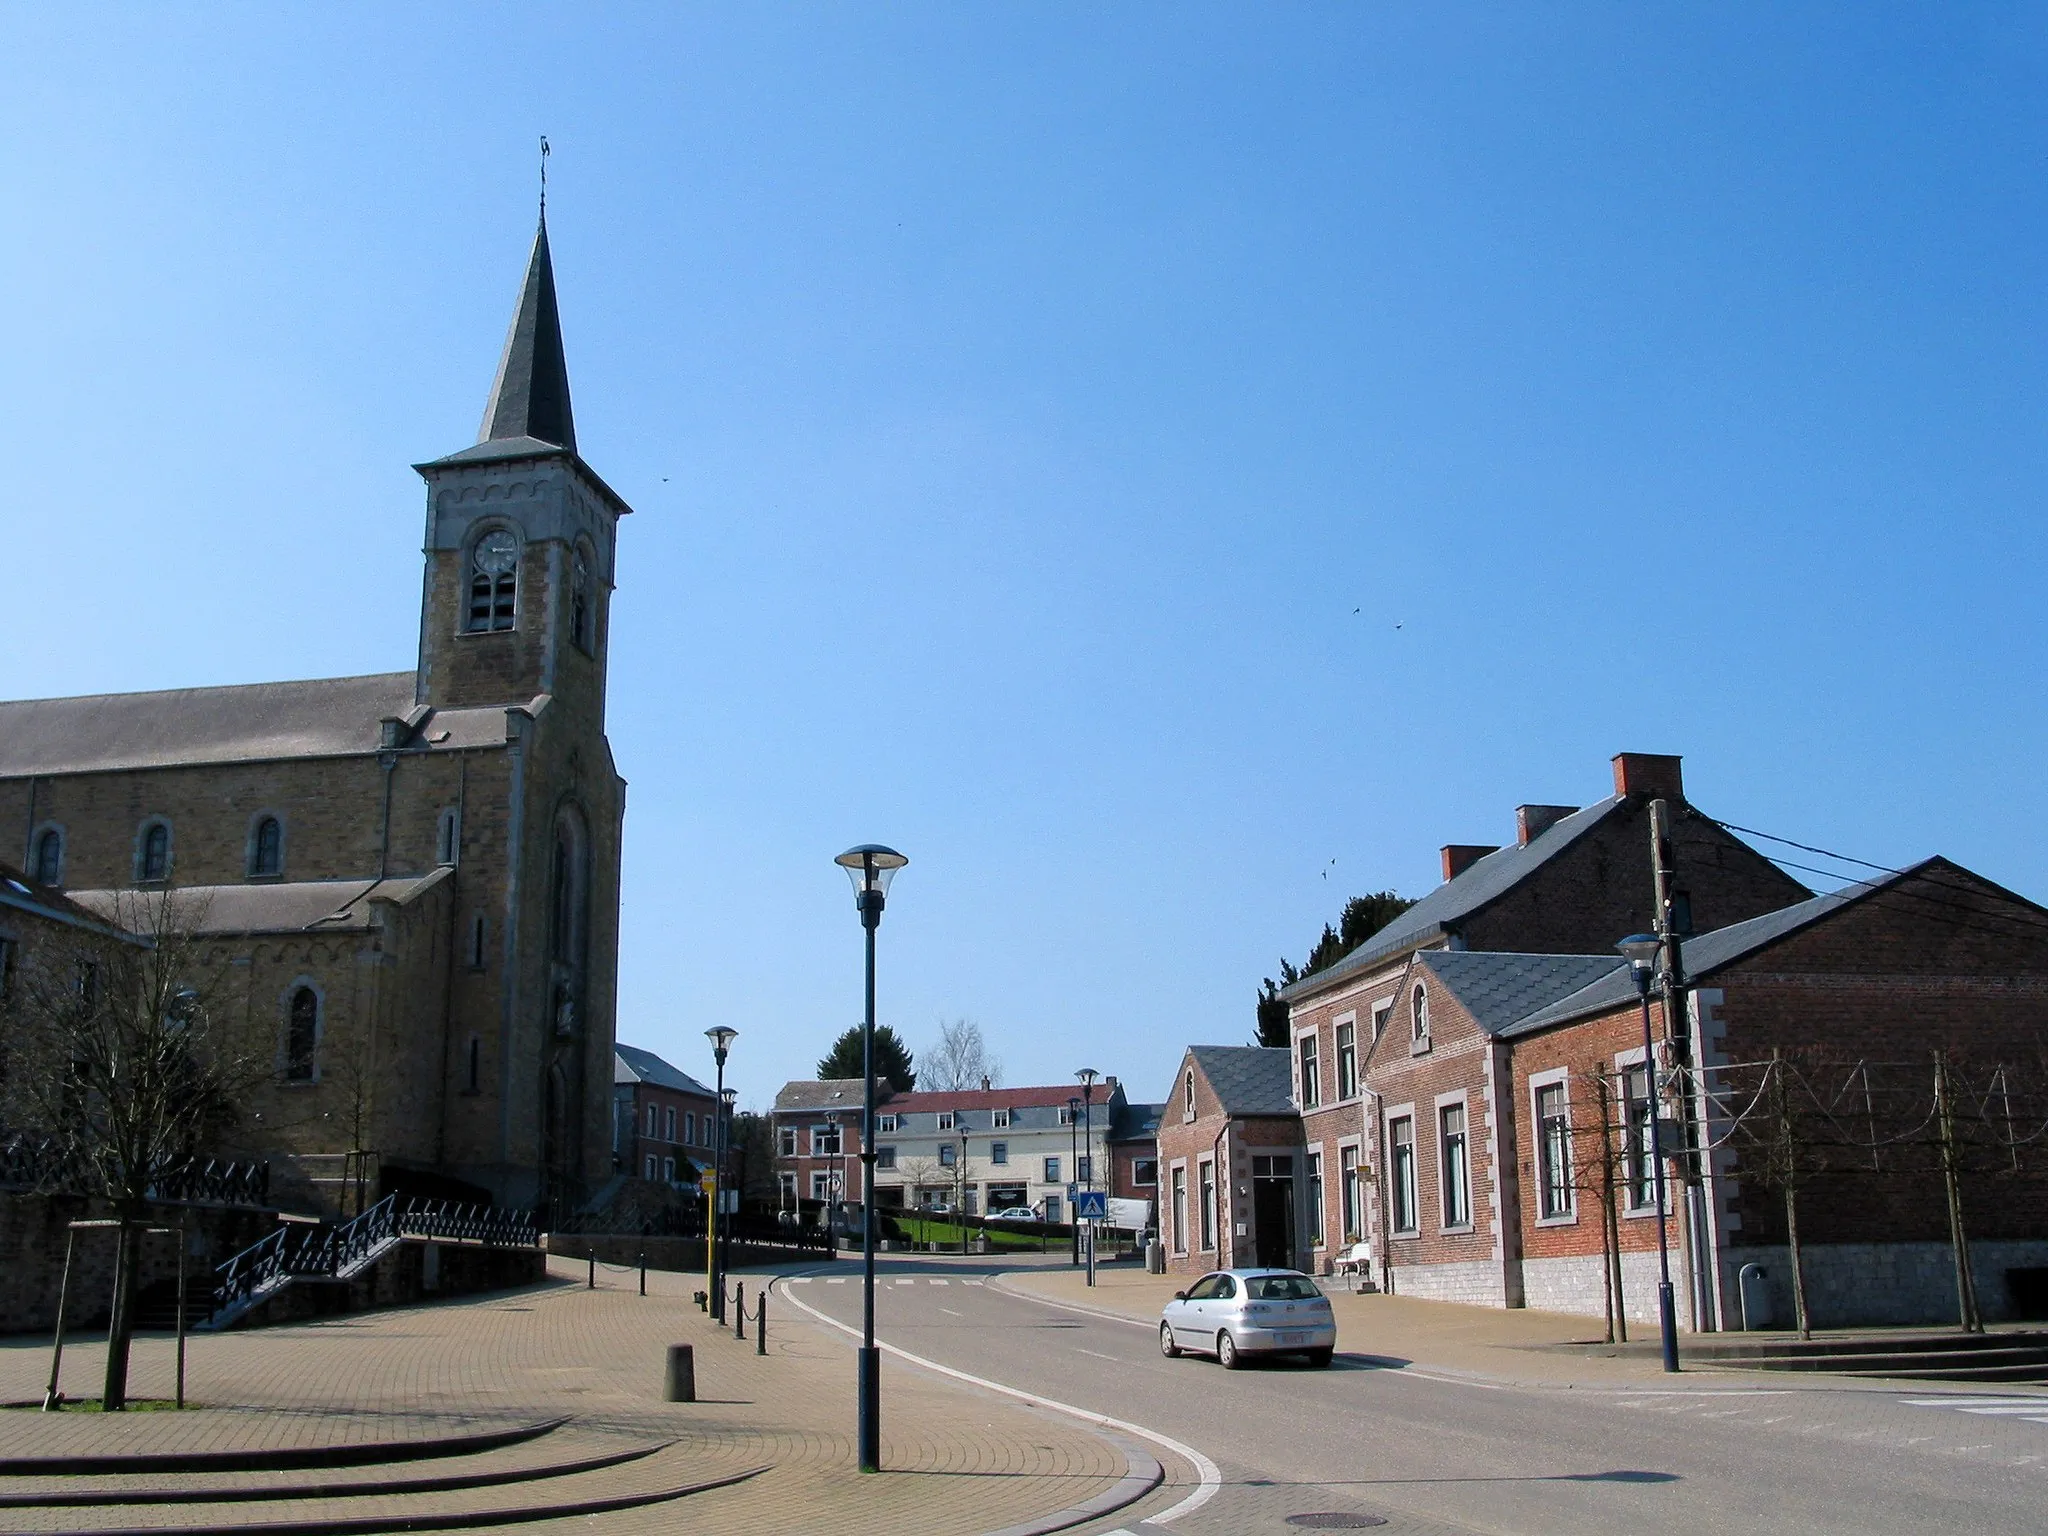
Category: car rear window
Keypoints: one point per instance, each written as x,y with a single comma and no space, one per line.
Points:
1281,1288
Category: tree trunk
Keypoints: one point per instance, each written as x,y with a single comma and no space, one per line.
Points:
1959,1242
1798,1264
121,1323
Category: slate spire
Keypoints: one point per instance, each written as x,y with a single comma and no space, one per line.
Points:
530,398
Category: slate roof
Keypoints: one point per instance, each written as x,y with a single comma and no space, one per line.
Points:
1136,1122
321,906
1248,1079
840,1093
1052,1097
630,1064
1438,914
530,396
17,890
1708,952
244,722
1498,989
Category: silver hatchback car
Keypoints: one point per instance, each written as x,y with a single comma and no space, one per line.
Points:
1232,1313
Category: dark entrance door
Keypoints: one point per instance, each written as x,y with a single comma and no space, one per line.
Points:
1273,1212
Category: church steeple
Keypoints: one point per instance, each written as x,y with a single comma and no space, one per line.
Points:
530,397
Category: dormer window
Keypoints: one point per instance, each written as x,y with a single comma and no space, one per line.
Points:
266,848
153,853
579,599
493,581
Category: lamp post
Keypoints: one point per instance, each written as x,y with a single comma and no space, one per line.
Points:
835,1208
721,1038
1085,1169
871,867
1073,1167
960,1199
1642,950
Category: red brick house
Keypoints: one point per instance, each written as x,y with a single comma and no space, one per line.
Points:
663,1119
1514,1098
1573,881
1230,1152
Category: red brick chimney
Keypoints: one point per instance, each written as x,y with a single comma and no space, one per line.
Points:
1648,773
1459,857
1532,821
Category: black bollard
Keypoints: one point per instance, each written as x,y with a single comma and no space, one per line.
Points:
643,1271
681,1386
592,1283
761,1323
739,1309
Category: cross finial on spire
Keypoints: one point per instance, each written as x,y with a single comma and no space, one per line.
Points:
544,152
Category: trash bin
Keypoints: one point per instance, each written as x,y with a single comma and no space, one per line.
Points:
1155,1256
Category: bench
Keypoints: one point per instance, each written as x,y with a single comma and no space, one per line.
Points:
1355,1261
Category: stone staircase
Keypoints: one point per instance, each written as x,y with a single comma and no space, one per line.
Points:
458,1477
1932,1356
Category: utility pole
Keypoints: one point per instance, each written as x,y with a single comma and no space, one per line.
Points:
1678,1035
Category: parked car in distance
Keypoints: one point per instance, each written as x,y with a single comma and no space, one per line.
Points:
1014,1213
1231,1313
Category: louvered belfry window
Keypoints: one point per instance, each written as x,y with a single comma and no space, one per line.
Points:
494,581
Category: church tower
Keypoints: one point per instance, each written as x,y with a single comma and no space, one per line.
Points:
514,628
520,534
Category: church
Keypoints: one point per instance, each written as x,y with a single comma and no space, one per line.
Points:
407,882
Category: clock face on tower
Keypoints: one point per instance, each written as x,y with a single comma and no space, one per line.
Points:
497,552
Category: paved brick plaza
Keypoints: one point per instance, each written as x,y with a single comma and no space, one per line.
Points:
959,1460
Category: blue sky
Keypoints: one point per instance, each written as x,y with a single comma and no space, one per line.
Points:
1126,457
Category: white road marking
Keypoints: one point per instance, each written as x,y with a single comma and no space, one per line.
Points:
1210,1475
938,1282
1098,1354
837,1280
950,1312
801,1280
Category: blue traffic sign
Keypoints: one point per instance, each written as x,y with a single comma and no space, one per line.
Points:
1091,1205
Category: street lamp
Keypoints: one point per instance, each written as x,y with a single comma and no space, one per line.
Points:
1641,951
871,867
721,1038
1073,1167
1085,1169
960,1200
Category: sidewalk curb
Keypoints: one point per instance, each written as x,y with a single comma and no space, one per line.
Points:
1142,1474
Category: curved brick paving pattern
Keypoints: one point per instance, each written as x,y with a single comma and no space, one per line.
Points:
959,1461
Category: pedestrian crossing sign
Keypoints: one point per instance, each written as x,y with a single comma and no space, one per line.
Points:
1091,1205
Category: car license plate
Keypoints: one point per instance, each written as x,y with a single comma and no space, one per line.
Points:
1294,1338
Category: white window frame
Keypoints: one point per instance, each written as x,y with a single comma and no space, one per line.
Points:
1312,1194
1351,1199
1338,1025
1209,1206
1308,1068
999,1120
787,1141
1382,1011
1626,1062
1398,1190
1559,1078
1177,1190
1459,1102
885,1125
1050,1167
946,1118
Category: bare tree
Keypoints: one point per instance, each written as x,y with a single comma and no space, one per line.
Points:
125,1067
960,1060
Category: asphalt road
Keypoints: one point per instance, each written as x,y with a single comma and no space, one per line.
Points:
1429,1453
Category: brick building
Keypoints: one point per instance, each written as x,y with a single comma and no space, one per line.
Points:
412,876
1574,880
1501,1130
1230,1151
1134,1153
816,1123
664,1122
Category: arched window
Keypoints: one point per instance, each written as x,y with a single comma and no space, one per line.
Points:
49,859
1187,1095
448,837
302,1035
153,852
1418,1012
493,581
579,598
266,847
566,886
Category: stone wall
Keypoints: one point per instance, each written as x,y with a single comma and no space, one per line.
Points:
1851,1285
1481,1283
1572,1283
682,1255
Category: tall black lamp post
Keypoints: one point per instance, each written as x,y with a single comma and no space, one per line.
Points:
1642,950
871,867
1085,1168
721,1039
1073,1169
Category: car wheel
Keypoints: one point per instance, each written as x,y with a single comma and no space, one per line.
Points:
1166,1345
1320,1358
1226,1352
